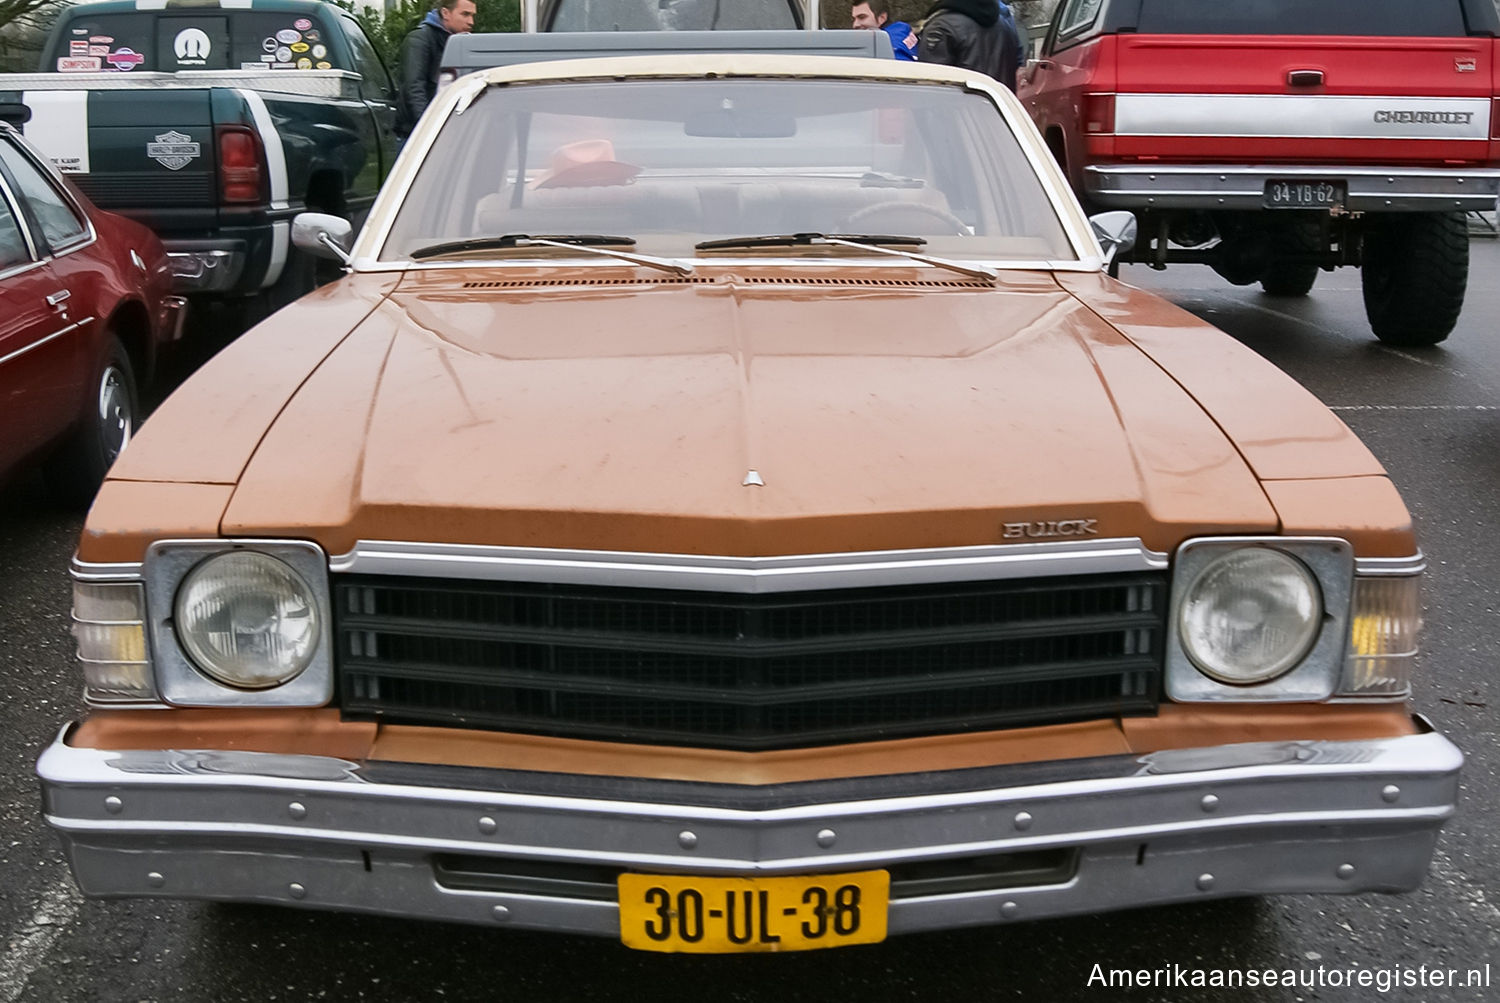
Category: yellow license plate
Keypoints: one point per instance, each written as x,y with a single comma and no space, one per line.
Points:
673,912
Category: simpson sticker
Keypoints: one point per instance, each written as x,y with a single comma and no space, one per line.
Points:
302,24
287,36
173,150
319,51
78,64
125,59
192,46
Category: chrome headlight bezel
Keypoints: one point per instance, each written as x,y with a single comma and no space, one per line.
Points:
1315,677
180,681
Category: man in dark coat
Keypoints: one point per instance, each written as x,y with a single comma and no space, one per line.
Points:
422,56
971,34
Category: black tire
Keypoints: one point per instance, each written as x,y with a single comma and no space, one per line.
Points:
1285,277
1415,274
109,419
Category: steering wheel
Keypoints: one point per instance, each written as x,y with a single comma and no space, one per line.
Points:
860,220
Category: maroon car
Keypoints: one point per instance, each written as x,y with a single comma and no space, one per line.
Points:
84,307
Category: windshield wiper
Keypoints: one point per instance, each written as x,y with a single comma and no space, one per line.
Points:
795,239
592,243
864,241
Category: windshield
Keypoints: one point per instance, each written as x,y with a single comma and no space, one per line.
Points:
674,162
671,15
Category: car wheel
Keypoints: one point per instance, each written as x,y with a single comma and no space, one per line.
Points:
1415,273
1292,278
103,431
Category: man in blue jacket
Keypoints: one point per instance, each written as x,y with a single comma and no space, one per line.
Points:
422,56
874,14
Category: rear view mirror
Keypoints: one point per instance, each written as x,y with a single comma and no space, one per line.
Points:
1116,233
733,124
323,235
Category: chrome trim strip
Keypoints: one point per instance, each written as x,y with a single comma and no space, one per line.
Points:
87,571
798,573
42,341
1214,186
1301,116
1390,567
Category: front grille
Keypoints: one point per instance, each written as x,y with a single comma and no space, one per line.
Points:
133,190
749,671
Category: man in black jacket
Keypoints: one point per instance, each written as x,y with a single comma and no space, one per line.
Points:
971,34
422,56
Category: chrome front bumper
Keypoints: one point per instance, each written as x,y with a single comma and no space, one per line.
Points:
1215,186
1330,817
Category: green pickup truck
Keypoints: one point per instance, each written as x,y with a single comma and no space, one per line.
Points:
214,123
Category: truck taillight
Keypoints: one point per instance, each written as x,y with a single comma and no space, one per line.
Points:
1098,113
240,174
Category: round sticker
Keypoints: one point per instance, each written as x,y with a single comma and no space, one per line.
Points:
299,46
287,36
325,66
304,63
192,45
311,36
319,51
268,45
302,24
283,55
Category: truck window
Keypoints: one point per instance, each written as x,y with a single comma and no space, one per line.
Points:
1078,15
1429,18
671,15
173,41
376,81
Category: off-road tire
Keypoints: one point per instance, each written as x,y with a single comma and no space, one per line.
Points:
1292,278
110,416
1415,273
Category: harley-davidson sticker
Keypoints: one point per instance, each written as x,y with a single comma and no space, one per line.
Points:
173,150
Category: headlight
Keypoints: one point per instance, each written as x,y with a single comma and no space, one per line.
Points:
1250,616
247,620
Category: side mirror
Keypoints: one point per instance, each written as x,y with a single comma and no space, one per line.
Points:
1115,231
326,236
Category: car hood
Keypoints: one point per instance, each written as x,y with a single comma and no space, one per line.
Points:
803,413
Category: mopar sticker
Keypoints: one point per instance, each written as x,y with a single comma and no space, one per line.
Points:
173,150
192,47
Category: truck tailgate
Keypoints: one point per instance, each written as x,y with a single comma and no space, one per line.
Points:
1287,98
129,150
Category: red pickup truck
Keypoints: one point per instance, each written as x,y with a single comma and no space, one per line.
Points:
1271,138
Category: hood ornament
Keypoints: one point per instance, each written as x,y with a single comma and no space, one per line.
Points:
753,478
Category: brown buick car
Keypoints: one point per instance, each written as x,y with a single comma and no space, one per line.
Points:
727,506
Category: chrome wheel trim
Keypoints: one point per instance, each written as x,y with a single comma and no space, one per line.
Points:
116,415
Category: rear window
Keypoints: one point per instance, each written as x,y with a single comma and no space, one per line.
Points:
671,15
1422,18
216,40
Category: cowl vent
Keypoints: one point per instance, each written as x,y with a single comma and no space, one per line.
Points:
756,280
